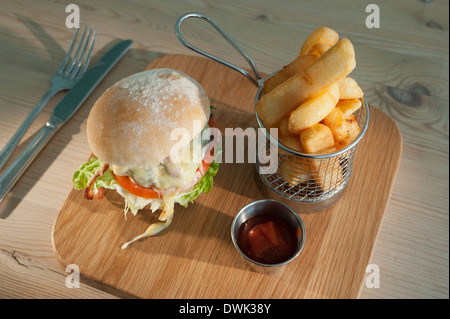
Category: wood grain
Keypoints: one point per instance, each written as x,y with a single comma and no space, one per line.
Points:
195,257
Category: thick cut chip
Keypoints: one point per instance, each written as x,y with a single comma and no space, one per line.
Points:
335,120
293,169
327,173
349,106
350,89
330,67
300,63
319,49
320,35
314,110
316,139
353,131
290,166
284,127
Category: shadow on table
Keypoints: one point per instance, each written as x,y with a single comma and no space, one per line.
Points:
33,58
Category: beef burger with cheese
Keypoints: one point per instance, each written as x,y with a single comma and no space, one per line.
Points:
130,132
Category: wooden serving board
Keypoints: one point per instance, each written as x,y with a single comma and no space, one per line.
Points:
195,257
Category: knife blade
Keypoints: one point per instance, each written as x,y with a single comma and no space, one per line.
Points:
62,112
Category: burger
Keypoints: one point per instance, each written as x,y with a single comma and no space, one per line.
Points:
152,142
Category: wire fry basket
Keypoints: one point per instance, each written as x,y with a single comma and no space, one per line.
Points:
313,181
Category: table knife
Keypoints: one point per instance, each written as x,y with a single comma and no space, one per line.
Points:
62,112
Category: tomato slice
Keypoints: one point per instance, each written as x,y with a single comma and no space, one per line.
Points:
150,192
137,189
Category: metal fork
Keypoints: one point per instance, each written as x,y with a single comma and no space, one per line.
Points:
68,73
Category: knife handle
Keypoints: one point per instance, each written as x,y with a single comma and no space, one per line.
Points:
6,152
18,167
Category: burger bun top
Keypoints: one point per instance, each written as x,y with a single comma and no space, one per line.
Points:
130,125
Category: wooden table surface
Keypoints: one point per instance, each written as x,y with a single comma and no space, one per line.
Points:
403,67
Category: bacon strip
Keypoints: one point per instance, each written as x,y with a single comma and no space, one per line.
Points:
89,190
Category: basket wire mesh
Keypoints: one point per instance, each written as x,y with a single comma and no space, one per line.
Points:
299,177
312,178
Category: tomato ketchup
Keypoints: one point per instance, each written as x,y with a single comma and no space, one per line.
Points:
267,239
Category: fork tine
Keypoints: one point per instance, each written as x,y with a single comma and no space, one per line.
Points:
66,58
73,62
88,57
80,58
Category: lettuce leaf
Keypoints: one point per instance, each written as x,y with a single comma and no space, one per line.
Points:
204,185
83,175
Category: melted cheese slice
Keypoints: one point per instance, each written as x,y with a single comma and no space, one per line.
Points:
187,163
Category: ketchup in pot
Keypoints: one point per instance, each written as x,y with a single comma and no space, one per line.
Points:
267,239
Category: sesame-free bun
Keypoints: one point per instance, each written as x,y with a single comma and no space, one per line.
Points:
130,125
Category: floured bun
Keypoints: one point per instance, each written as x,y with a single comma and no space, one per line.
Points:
131,123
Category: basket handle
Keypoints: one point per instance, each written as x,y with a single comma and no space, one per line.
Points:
256,79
